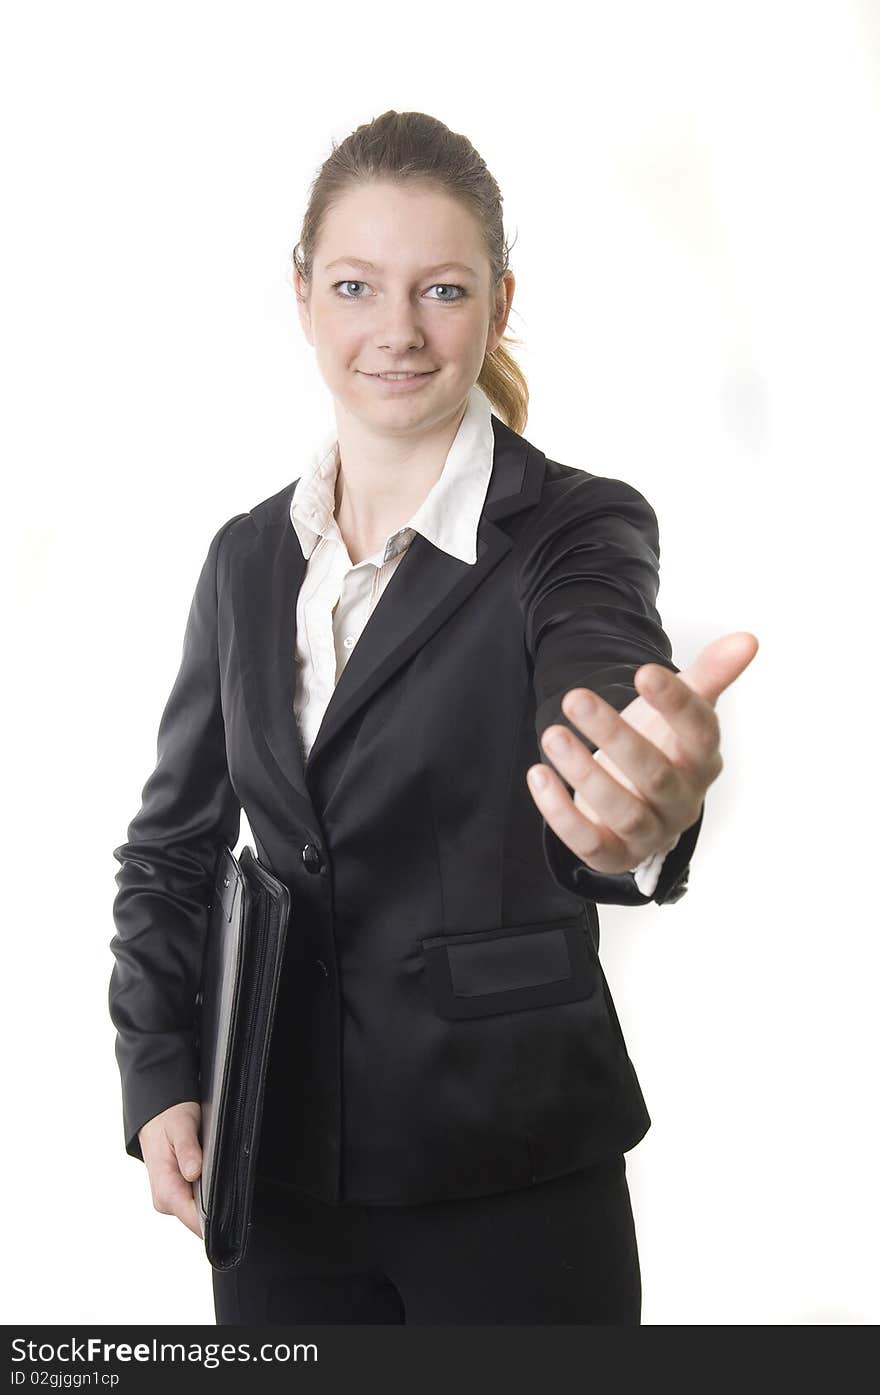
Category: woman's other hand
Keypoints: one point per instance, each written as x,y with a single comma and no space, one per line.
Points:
173,1155
646,785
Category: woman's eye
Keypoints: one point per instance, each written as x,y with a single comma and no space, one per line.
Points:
348,283
440,286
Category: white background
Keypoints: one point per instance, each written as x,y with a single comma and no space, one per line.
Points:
692,191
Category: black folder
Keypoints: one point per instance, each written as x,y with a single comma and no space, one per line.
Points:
244,951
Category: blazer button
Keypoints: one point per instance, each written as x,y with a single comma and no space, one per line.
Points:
323,971
311,857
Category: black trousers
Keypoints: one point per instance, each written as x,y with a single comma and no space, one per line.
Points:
562,1251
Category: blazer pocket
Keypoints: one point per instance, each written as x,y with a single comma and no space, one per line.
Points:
514,967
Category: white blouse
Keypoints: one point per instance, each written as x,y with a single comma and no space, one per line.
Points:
337,598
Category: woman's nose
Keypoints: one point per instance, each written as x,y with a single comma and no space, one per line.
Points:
399,329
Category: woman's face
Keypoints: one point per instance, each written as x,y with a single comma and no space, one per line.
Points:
408,310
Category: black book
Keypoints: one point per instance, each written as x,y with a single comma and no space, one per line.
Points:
244,951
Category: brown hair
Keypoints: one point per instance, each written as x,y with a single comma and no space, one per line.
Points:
408,145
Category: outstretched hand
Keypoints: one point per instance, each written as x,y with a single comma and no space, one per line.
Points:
646,785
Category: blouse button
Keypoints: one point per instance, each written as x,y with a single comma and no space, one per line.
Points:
349,641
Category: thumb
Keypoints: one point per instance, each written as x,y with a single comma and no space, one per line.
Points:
189,1158
720,664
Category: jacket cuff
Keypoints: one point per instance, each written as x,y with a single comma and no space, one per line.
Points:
149,1094
621,888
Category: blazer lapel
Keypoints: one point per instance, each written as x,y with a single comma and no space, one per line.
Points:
265,579
426,589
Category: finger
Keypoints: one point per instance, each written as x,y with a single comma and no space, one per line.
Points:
176,1198
720,664
691,718
172,1196
188,1154
188,1212
639,826
164,1173
172,1193
195,1197
599,847
668,789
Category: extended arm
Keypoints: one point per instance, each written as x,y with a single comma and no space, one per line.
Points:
589,584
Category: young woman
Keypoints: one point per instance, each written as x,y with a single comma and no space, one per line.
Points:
388,665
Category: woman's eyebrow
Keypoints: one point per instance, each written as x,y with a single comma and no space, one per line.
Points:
371,266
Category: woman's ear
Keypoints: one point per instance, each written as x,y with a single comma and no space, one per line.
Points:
503,300
303,307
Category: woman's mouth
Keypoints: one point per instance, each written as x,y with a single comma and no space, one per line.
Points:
412,374
401,380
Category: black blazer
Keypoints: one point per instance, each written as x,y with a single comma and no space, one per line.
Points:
444,1027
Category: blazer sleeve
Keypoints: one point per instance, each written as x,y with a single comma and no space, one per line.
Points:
188,810
589,583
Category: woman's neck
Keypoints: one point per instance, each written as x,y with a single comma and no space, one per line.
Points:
377,491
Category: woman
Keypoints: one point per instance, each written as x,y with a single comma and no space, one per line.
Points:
378,663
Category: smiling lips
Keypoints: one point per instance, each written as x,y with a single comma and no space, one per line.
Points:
395,377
